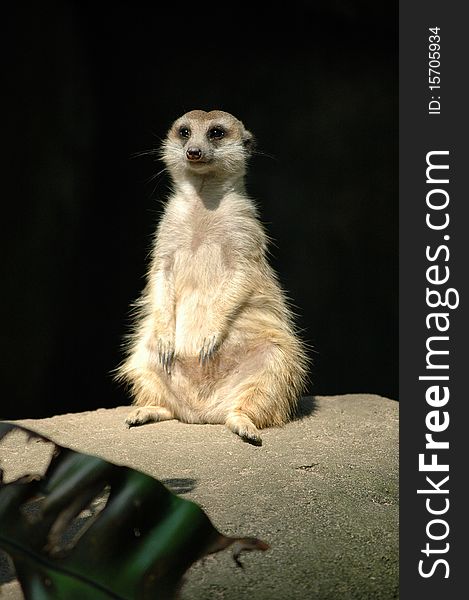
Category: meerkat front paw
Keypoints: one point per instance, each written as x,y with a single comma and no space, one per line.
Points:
162,351
245,428
209,347
147,414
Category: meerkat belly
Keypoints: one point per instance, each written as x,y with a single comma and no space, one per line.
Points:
199,277
192,315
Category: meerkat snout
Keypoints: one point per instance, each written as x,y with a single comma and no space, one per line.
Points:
194,153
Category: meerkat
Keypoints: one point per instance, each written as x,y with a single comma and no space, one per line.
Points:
214,339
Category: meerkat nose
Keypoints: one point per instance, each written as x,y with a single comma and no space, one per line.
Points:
194,153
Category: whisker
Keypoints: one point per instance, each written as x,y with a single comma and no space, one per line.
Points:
156,177
151,152
266,154
158,137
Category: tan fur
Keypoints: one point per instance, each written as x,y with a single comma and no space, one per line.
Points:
214,340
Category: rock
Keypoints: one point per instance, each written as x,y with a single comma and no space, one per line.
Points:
322,491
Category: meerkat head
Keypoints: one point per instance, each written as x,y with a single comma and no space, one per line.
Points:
207,143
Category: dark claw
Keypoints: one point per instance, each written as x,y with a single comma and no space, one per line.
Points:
208,349
202,353
168,361
165,356
253,440
213,347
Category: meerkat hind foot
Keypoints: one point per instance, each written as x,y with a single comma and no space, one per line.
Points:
147,414
245,428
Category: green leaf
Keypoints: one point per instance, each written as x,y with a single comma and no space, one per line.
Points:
138,546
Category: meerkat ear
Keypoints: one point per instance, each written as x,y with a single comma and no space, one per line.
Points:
248,141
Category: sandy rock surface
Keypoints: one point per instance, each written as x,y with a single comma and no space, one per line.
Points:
322,491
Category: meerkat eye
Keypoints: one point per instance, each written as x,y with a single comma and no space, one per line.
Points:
216,133
185,132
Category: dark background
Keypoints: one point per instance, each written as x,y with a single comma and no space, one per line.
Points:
88,85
